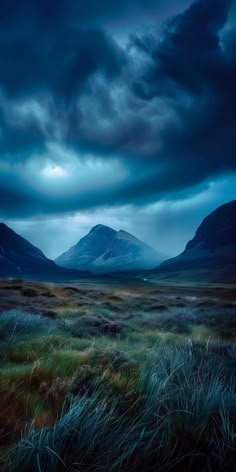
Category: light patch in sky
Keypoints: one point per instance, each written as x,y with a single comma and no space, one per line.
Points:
65,174
54,171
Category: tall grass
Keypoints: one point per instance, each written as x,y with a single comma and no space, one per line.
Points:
17,323
179,415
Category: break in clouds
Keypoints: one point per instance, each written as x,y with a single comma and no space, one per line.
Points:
122,113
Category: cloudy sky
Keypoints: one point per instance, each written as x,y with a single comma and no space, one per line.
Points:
116,112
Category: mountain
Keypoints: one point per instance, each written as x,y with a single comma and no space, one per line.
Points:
105,250
18,257
210,255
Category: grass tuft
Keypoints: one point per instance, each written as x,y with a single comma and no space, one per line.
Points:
178,414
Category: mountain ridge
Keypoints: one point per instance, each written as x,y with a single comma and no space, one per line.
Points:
104,249
19,257
210,255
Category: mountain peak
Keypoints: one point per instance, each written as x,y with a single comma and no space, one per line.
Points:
218,229
105,250
101,227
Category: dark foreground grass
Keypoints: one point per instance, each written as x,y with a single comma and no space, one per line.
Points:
128,379
178,413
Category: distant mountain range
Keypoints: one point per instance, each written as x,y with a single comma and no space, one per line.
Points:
210,256
19,258
105,250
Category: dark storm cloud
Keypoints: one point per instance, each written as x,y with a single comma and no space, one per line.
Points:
184,110
164,107
189,52
48,50
55,12
194,66
59,65
19,138
57,44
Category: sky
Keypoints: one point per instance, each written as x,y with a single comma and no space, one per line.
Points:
121,113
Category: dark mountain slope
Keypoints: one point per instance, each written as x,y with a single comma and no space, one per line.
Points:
19,257
210,255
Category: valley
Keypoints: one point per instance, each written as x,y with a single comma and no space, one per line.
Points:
111,363
117,348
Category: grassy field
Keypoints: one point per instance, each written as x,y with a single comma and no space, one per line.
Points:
117,377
